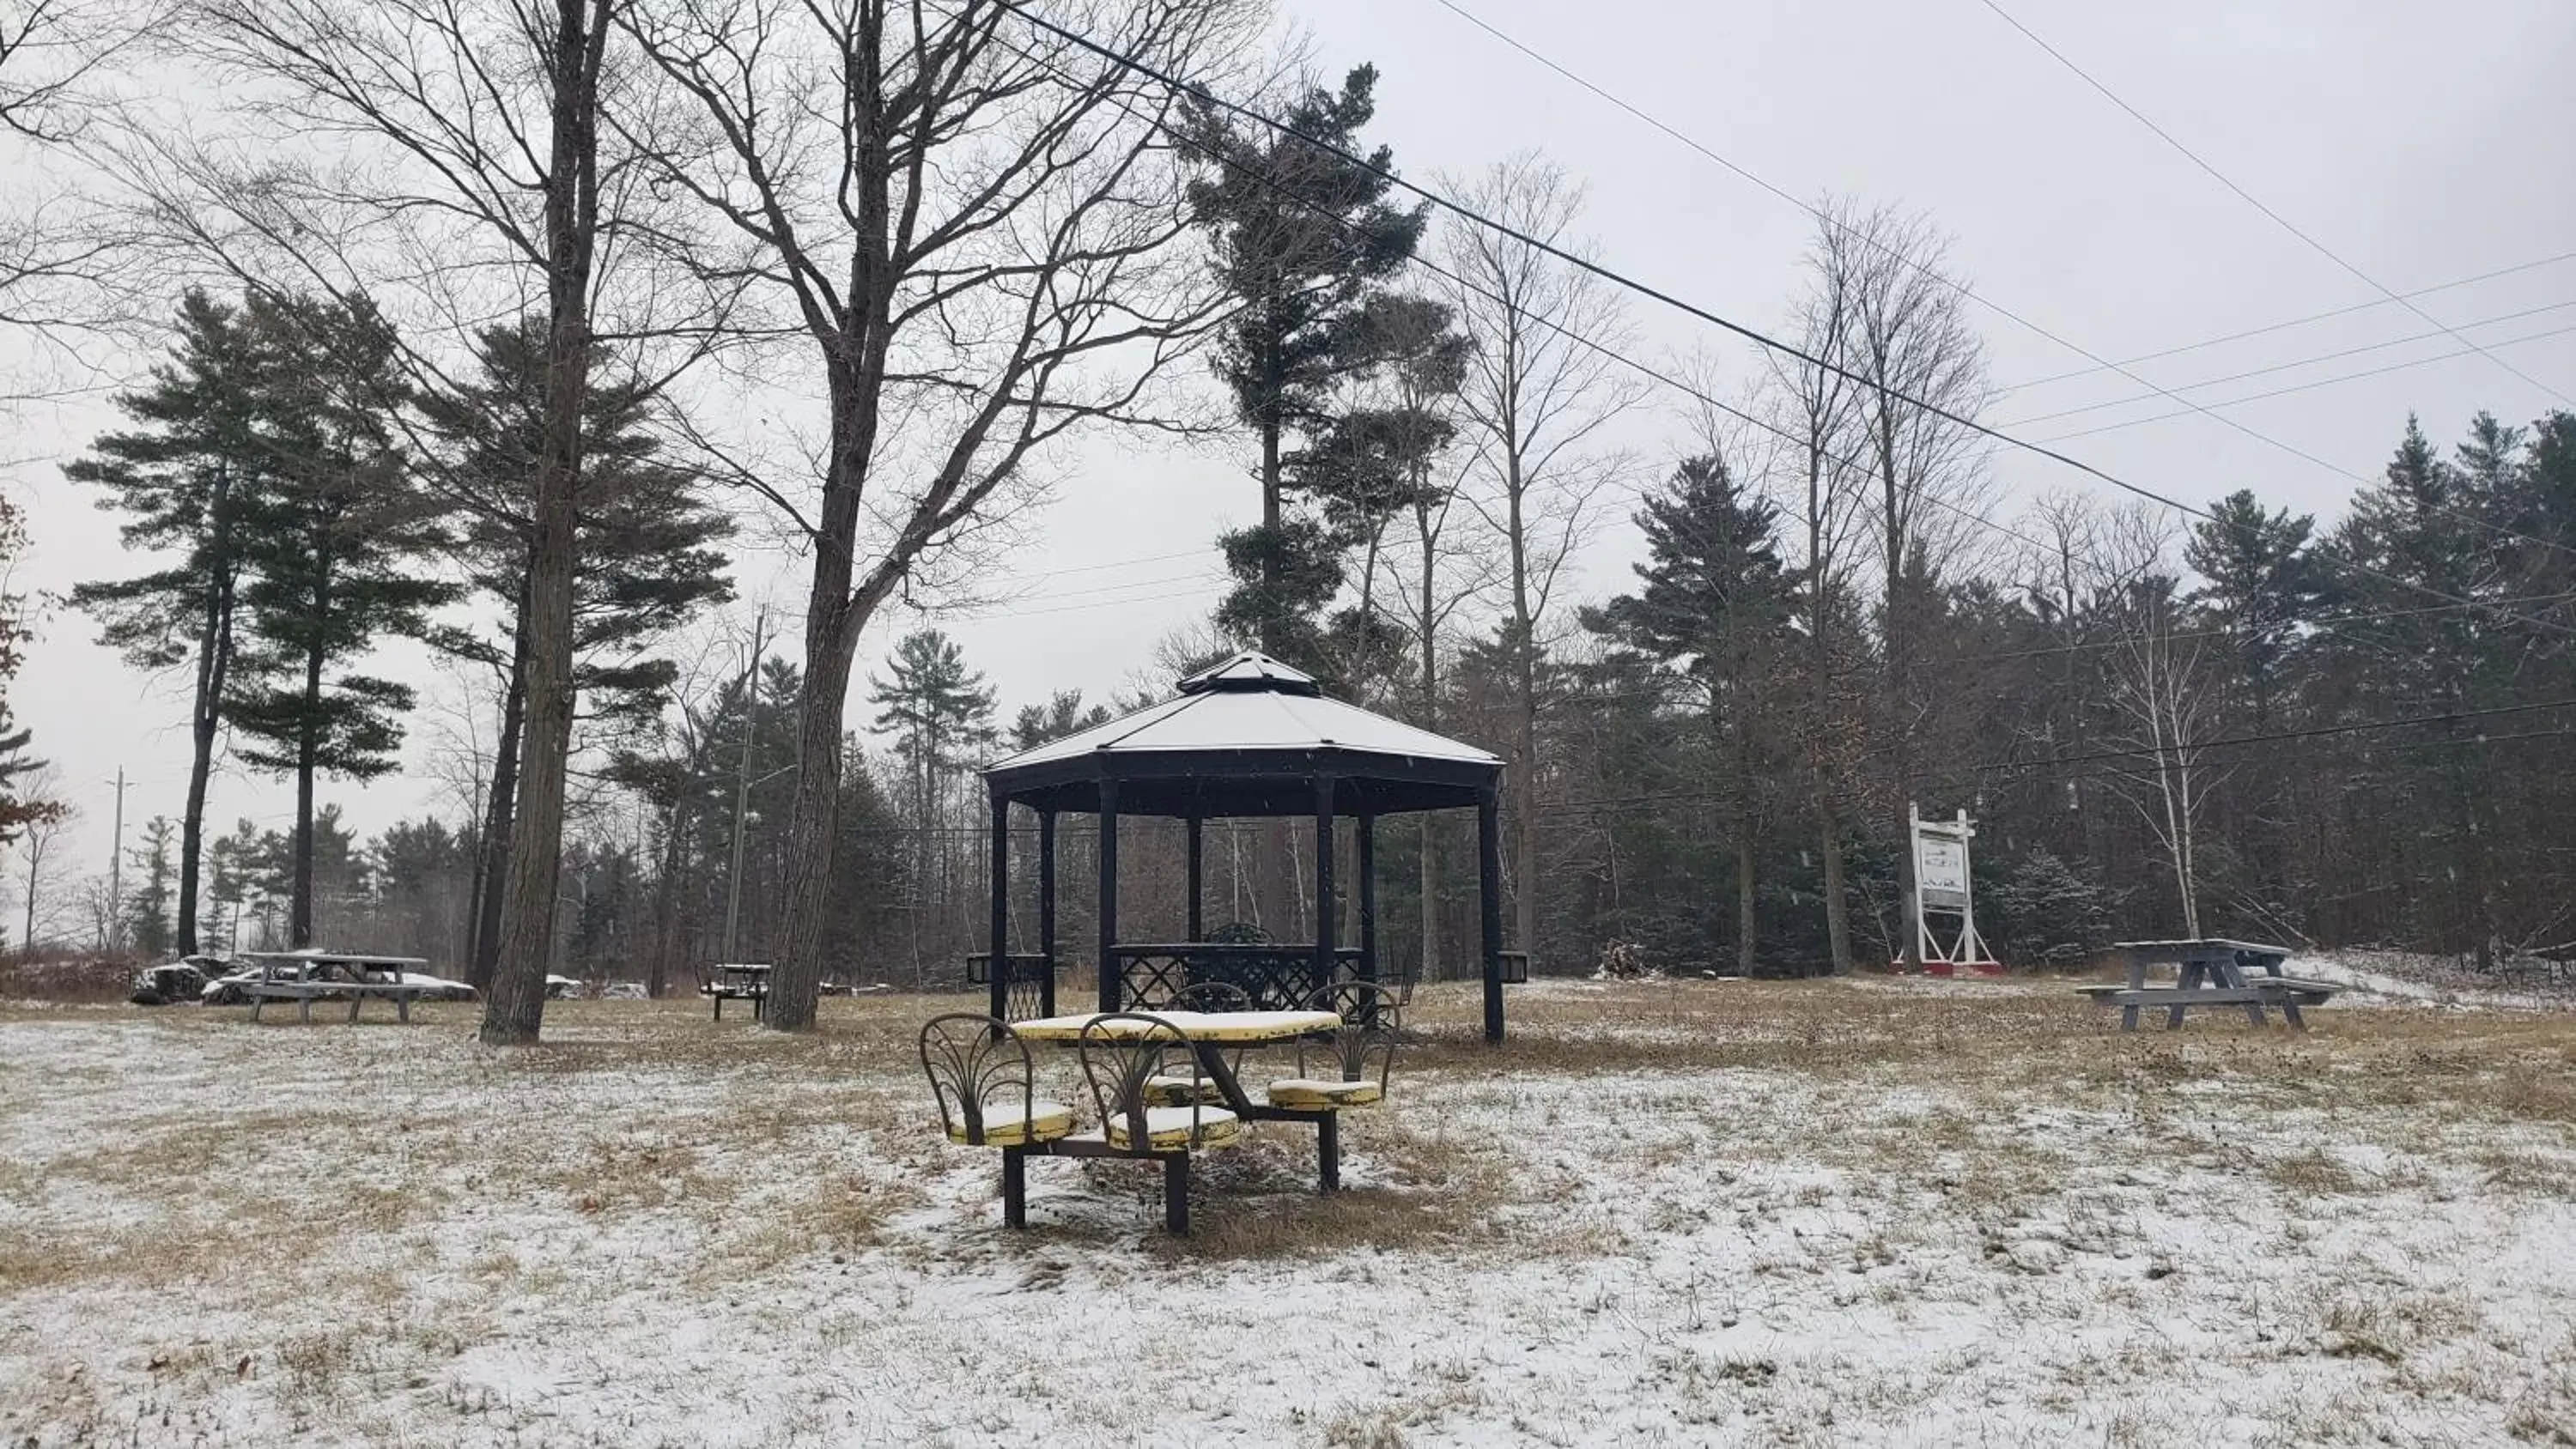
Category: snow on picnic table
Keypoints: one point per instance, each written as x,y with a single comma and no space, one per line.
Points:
660,1231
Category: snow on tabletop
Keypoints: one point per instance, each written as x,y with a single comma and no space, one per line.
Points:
1208,1025
1765,1213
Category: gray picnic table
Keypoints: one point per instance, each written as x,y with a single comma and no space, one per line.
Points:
2211,973
360,976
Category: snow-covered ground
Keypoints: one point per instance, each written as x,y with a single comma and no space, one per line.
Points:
1667,1213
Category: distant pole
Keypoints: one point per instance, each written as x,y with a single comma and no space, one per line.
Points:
116,869
742,785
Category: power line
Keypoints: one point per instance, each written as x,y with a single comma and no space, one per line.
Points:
2283,326
2250,199
2101,363
2311,361
2310,386
1181,87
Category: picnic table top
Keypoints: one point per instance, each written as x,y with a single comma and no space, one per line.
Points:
338,958
744,967
1226,1026
2206,943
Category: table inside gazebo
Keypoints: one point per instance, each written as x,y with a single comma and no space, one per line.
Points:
1275,975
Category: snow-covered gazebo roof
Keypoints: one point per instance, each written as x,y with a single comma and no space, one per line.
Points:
1249,736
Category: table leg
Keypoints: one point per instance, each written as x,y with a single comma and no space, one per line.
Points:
1015,1187
2137,982
256,1003
1328,1150
402,1006
1176,1194
718,998
304,1008
2188,980
354,998
2234,975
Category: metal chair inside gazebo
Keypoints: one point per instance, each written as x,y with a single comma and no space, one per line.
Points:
1249,738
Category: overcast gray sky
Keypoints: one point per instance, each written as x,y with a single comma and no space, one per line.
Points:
2420,143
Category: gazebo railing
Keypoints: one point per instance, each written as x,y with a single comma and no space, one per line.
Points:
1028,982
1277,975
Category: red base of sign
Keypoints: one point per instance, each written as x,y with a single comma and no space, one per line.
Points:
1956,968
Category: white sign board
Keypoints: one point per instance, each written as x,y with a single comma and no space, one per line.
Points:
1941,870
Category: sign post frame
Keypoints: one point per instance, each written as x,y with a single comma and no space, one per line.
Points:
1943,884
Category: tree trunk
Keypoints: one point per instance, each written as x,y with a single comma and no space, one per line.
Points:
1430,871
1525,872
518,1000
1900,725
494,860
1837,908
299,915
666,902
814,819
214,665
1744,873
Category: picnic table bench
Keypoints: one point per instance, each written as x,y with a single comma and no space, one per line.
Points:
738,981
2208,973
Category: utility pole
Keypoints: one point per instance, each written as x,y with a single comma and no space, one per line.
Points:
742,785
116,870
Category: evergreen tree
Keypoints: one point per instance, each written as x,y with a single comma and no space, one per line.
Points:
1061,715
204,452
648,551
940,714
2260,584
1716,602
1303,237
334,554
147,915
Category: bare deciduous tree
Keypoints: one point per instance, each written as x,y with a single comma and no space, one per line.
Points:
975,229
1821,479
1537,402
60,257
1910,343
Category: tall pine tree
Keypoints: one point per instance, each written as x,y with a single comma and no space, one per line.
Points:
335,555
1304,237
648,551
1715,601
204,452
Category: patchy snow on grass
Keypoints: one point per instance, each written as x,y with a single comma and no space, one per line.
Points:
1802,1213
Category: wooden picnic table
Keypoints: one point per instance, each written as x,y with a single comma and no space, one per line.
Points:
2210,972
1211,1033
739,981
312,978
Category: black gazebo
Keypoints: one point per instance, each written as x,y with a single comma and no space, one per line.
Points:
1250,737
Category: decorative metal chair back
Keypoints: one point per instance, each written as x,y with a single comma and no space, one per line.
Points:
1122,1053
1211,996
973,1060
1372,1027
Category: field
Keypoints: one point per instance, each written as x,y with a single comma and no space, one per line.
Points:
1667,1213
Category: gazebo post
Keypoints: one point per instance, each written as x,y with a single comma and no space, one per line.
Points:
1324,912
1489,891
1109,982
999,977
1046,909
1367,868
1196,930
